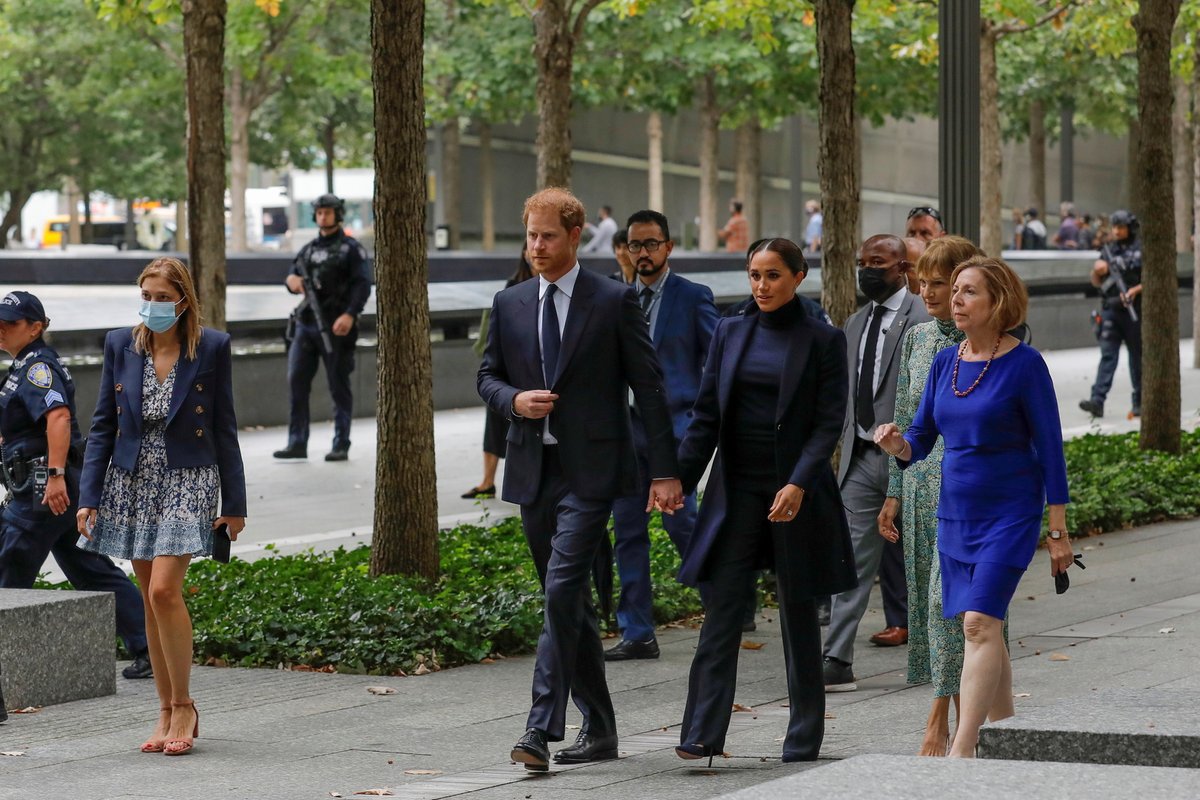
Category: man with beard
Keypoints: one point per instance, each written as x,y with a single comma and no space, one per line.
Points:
873,336
682,316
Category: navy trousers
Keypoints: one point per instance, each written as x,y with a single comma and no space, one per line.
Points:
304,356
23,551
635,614
564,533
1116,326
893,584
713,677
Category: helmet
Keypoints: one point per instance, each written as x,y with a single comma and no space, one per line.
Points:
330,201
1126,218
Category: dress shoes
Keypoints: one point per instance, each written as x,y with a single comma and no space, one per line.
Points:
839,677
140,668
475,493
338,454
1092,407
291,451
627,650
890,637
588,748
531,750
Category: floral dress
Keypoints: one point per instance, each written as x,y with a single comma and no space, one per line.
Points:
935,644
156,510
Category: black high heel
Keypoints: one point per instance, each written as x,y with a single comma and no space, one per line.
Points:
694,752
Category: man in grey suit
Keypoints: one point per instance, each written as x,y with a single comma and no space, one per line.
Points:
873,336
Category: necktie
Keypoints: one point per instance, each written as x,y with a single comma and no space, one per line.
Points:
551,336
647,295
865,401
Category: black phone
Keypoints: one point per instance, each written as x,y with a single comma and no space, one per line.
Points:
221,543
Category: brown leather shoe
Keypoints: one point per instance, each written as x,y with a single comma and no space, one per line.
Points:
890,637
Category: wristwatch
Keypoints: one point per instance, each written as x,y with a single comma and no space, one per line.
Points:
56,472
1056,535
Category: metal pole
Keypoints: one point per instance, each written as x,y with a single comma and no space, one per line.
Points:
797,222
958,117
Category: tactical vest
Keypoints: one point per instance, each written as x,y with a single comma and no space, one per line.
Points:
328,265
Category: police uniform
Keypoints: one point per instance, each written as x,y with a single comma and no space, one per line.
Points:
1117,325
37,383
338,268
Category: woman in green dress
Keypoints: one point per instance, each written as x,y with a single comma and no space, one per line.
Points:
935,645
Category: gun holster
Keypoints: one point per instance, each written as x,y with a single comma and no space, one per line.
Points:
289,329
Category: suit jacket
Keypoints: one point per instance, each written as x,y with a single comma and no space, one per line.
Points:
201,425
606,350
687,316
912,311
812,404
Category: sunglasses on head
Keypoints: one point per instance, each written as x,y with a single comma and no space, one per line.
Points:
925,211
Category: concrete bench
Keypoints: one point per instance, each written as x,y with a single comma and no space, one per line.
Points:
56,646
1143,727
879,777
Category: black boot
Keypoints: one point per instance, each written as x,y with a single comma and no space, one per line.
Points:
292,451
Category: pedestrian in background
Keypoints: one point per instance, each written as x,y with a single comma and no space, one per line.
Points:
814,229
602,232
736,233
1120,319
162,449
625,269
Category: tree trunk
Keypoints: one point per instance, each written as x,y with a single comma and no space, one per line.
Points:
328,140
749,170
1196,206
487,186
710,122
204,49
838,161
12,216
239,161
991,241
131,242
74,233
88,233
1181,134
451,168
554,49
181,222
406,525
654,155
1037,156
1153,23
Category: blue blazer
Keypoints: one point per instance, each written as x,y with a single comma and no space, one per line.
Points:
683,330
201,426
808,419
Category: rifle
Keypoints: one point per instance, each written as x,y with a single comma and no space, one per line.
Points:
310,297
1115,267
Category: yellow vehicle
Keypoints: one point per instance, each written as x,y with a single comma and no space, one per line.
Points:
105,230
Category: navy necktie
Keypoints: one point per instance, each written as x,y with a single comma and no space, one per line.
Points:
647,298
551,336
865,401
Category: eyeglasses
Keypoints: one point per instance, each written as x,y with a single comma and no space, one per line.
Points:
636,246
925,211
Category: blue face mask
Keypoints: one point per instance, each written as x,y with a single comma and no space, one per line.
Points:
159,316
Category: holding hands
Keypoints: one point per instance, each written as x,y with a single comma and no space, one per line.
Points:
666,495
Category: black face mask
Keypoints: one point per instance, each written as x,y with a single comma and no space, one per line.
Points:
874,285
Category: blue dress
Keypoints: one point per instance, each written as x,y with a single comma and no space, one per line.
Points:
1003,464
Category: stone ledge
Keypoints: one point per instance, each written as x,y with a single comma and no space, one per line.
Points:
56,646
881,777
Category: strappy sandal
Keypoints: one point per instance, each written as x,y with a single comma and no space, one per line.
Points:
179,747
153,745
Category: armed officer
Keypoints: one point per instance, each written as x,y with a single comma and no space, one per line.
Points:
1118,276
333,269
41,455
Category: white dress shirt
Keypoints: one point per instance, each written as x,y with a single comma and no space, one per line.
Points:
562,305
891,309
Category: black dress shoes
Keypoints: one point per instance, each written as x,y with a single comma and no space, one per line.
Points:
338,454
627,650
140,668
531,750
291,451
587,748
475,493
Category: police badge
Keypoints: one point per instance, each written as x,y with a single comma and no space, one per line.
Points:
40,375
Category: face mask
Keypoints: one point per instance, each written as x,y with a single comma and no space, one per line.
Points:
874,285
159,317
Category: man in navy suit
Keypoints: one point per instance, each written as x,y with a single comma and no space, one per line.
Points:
562,354
681,316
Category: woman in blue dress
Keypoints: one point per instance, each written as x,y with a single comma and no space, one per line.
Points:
992,401
162,458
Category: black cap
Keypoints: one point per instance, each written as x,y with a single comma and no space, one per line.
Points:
21,305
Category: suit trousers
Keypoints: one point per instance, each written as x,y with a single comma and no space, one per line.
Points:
564,533
863,492
304,356
893,583
635,614
731,572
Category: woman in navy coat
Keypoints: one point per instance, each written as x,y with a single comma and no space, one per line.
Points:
771,404
162,449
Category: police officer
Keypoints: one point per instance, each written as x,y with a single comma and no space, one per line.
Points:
1120,318
40,457
336,268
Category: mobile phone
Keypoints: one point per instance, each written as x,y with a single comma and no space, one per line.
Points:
221,543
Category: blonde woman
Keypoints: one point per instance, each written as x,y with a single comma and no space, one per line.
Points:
163,447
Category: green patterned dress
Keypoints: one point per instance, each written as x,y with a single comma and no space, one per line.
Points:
935,644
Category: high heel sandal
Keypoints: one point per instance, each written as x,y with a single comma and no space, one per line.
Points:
694,752
153,745
179,747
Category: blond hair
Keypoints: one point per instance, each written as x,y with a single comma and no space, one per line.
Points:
187,328
942,255
554,198
1010,298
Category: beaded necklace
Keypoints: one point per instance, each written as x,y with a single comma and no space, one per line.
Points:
954,377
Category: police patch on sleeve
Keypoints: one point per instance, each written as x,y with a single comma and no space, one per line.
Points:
40,375
53,397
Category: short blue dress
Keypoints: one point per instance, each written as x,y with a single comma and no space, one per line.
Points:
1003,464
155,510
